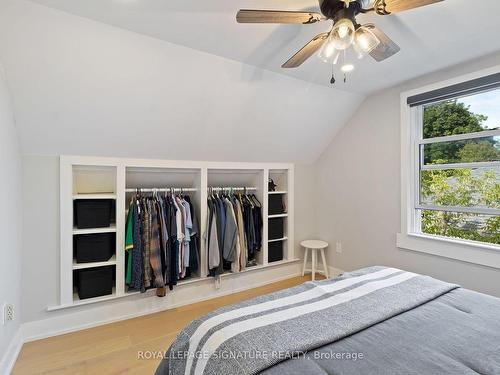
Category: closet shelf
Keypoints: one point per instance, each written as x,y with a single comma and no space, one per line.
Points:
277,192
278,239
80,266
79,302
95,196
110,229
276,216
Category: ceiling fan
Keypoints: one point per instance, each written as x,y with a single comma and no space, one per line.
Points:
345,32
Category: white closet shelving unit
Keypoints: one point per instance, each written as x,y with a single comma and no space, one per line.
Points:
108,178
284,188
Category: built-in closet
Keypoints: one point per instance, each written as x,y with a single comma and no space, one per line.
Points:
88,183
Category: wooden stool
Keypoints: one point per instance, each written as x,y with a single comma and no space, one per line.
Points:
315,245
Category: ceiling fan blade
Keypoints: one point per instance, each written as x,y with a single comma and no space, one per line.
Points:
394,6
307,51
277,16
387,46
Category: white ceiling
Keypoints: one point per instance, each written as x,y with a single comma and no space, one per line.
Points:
432,37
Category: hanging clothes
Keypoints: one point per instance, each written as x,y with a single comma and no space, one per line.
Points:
173,264
137,272
161,242
211,238
146,244
133,241
258,222
194,257
154,247
129,243
230,233
234,232
241,235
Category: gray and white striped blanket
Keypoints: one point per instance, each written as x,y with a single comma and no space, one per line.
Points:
251,336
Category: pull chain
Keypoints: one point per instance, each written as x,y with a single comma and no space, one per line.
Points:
332,81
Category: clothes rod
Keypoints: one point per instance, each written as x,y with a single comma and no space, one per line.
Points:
152,190
214,188
219,188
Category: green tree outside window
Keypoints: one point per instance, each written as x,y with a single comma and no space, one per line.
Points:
459,187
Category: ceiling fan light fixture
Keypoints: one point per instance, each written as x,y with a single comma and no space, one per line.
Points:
342,34
365,41
332,46
328,53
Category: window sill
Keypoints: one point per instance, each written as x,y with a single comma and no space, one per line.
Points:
465,251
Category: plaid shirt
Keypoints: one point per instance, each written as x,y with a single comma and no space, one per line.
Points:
155,251
146,236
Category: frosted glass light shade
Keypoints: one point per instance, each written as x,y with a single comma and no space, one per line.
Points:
328,53
365,41
342,34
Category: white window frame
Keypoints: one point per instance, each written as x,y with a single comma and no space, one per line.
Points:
410,237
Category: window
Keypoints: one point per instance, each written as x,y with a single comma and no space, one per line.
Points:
455,147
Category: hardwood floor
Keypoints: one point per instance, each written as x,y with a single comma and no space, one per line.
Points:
115,348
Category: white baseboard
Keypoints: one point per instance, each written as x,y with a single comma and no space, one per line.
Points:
10,356
72,322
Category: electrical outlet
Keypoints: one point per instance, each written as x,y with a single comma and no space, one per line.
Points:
339,247
8,313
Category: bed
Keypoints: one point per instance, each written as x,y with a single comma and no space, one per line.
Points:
375,320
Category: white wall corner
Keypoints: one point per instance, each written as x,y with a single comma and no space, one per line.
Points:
10,356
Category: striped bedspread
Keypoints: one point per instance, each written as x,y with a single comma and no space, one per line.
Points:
254,335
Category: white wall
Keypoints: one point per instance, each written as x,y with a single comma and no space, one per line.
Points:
305,215
10,220
358,179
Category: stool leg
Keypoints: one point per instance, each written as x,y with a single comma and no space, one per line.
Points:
314,255
325,268
305,261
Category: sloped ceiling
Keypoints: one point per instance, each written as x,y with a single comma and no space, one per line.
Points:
432,37
86,76
84,87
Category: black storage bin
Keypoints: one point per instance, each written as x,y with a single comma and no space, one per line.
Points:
92,213
275,251
276,205
95,282
98,247
276,228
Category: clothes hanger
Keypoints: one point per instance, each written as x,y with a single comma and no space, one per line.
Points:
258,204
245,195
